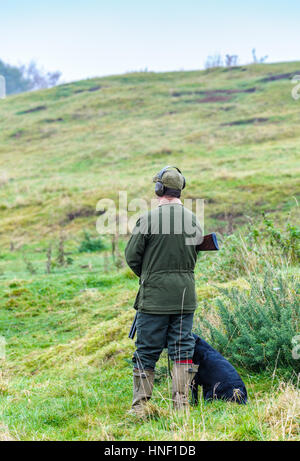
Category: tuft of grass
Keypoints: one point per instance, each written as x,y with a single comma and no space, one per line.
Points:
89,244
282,413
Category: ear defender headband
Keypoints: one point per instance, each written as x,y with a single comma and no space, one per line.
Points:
160,189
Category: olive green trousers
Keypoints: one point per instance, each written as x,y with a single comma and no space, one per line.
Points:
157,331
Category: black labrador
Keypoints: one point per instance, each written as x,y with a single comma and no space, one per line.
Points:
216,375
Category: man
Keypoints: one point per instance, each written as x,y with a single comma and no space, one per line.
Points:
162,252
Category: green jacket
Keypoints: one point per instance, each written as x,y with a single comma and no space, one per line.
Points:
164,261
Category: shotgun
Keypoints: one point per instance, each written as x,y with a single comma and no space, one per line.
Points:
209,243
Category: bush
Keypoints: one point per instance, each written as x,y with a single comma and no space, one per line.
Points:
286,241
89,244
258,249
257,329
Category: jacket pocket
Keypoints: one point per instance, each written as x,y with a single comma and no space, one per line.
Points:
170,289
138,303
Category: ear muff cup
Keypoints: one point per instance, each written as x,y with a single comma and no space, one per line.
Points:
159,188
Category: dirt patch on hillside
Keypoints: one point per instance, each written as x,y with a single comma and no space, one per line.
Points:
218,95
213,93
227,108
33,109
235,68
248,121
212,98
80,213
162,151
229,91
17,134
225,216
275,77
53,120
83,212
93,88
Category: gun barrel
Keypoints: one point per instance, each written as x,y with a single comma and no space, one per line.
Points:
133,328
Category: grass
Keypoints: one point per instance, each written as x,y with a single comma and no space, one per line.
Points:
66,375
89,145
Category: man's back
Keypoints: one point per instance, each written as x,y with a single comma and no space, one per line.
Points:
166,238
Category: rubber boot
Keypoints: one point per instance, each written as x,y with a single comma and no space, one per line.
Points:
182,376
143,381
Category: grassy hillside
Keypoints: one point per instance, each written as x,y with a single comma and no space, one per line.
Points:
235,134
65,148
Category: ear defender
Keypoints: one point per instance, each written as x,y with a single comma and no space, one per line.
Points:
159,187
183,181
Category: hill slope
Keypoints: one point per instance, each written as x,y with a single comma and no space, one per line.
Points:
234,132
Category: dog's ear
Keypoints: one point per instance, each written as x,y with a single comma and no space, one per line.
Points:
199,358
201,351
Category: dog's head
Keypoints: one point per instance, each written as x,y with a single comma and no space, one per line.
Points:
200,350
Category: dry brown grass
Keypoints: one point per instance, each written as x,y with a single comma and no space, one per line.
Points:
4,434
282,413
4,384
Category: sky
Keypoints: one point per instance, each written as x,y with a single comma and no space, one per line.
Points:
88,38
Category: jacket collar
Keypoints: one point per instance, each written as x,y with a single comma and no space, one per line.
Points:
166,200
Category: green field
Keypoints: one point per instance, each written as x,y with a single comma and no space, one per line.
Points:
65,317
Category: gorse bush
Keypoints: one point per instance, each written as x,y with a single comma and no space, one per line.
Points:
257,329
258,249
89,244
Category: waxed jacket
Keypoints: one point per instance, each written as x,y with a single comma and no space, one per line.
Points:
164,259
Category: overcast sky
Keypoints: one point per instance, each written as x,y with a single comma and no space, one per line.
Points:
86,38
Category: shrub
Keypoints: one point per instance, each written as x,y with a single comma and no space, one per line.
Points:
29,266
286,241
258,249
256,330
89,244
